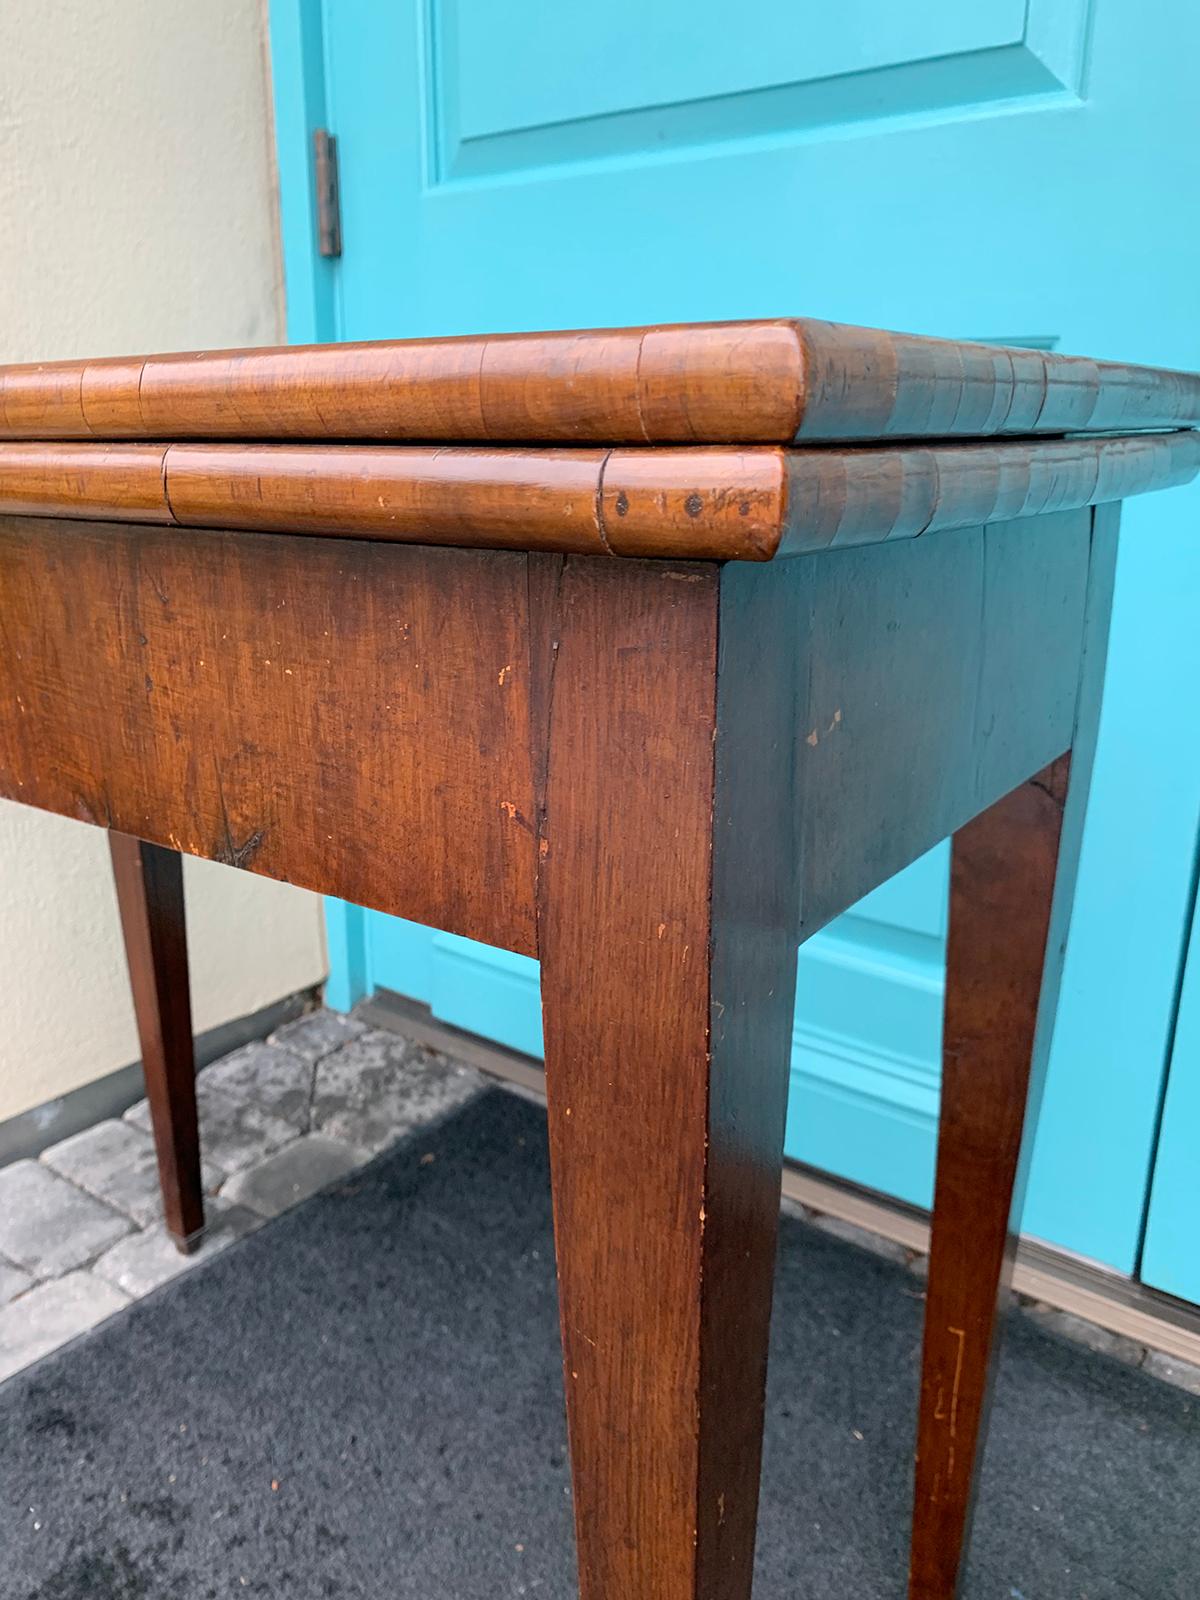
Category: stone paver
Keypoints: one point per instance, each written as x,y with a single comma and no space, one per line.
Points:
233,1135
144,1260
115,1162
318,1034
47,1225
273,1080
381,1086
13,1281
293,1173
51,1314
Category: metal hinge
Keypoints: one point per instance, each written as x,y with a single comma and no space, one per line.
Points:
329,208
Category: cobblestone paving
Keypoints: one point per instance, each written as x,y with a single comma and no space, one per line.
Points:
81,1233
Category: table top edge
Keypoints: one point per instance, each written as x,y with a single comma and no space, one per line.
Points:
751,503
788,380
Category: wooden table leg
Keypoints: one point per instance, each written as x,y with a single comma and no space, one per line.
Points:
1002,884
1010,869
668,970
150,896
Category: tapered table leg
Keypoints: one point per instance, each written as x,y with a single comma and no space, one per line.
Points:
150,896
1002,883
668,965
1004,966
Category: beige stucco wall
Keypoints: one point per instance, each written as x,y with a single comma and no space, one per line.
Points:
137,213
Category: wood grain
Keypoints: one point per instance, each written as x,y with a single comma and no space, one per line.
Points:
1002,883
149,884
908,687
737,382
291,691
862,383
109,482
667,835
938,674
715,383
350,717
700,504
523,500
1014,870
847,497
704,504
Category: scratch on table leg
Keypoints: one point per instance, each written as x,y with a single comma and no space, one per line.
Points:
961,1335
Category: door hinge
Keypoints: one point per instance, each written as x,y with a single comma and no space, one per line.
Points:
329,206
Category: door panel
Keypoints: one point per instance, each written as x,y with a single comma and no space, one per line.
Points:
1023,172
653,78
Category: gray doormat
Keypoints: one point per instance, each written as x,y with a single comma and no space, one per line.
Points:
364,1400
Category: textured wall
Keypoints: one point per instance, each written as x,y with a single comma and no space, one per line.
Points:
137,213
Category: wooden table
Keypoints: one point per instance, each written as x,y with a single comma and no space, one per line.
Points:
646,653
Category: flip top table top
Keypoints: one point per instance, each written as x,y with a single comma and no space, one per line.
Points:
723,441
782,382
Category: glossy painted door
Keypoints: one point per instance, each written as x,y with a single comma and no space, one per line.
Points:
1016,169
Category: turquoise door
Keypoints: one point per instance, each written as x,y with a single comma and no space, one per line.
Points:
1010,169
1171,1260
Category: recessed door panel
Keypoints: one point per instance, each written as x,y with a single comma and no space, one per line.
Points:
638,78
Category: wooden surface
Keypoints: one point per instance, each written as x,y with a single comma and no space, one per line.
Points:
326,710
149,884
108,482
709,504
1002,883
696,503
322,711
748,382
848,497
1012,885
667,839
938,673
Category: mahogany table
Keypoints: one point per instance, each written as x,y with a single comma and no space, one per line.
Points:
645,653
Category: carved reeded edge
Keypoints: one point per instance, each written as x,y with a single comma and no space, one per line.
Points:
840,497
770,382
704,503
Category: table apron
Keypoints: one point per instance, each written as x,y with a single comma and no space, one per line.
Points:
371,720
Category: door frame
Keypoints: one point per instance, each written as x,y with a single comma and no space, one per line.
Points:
297,84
